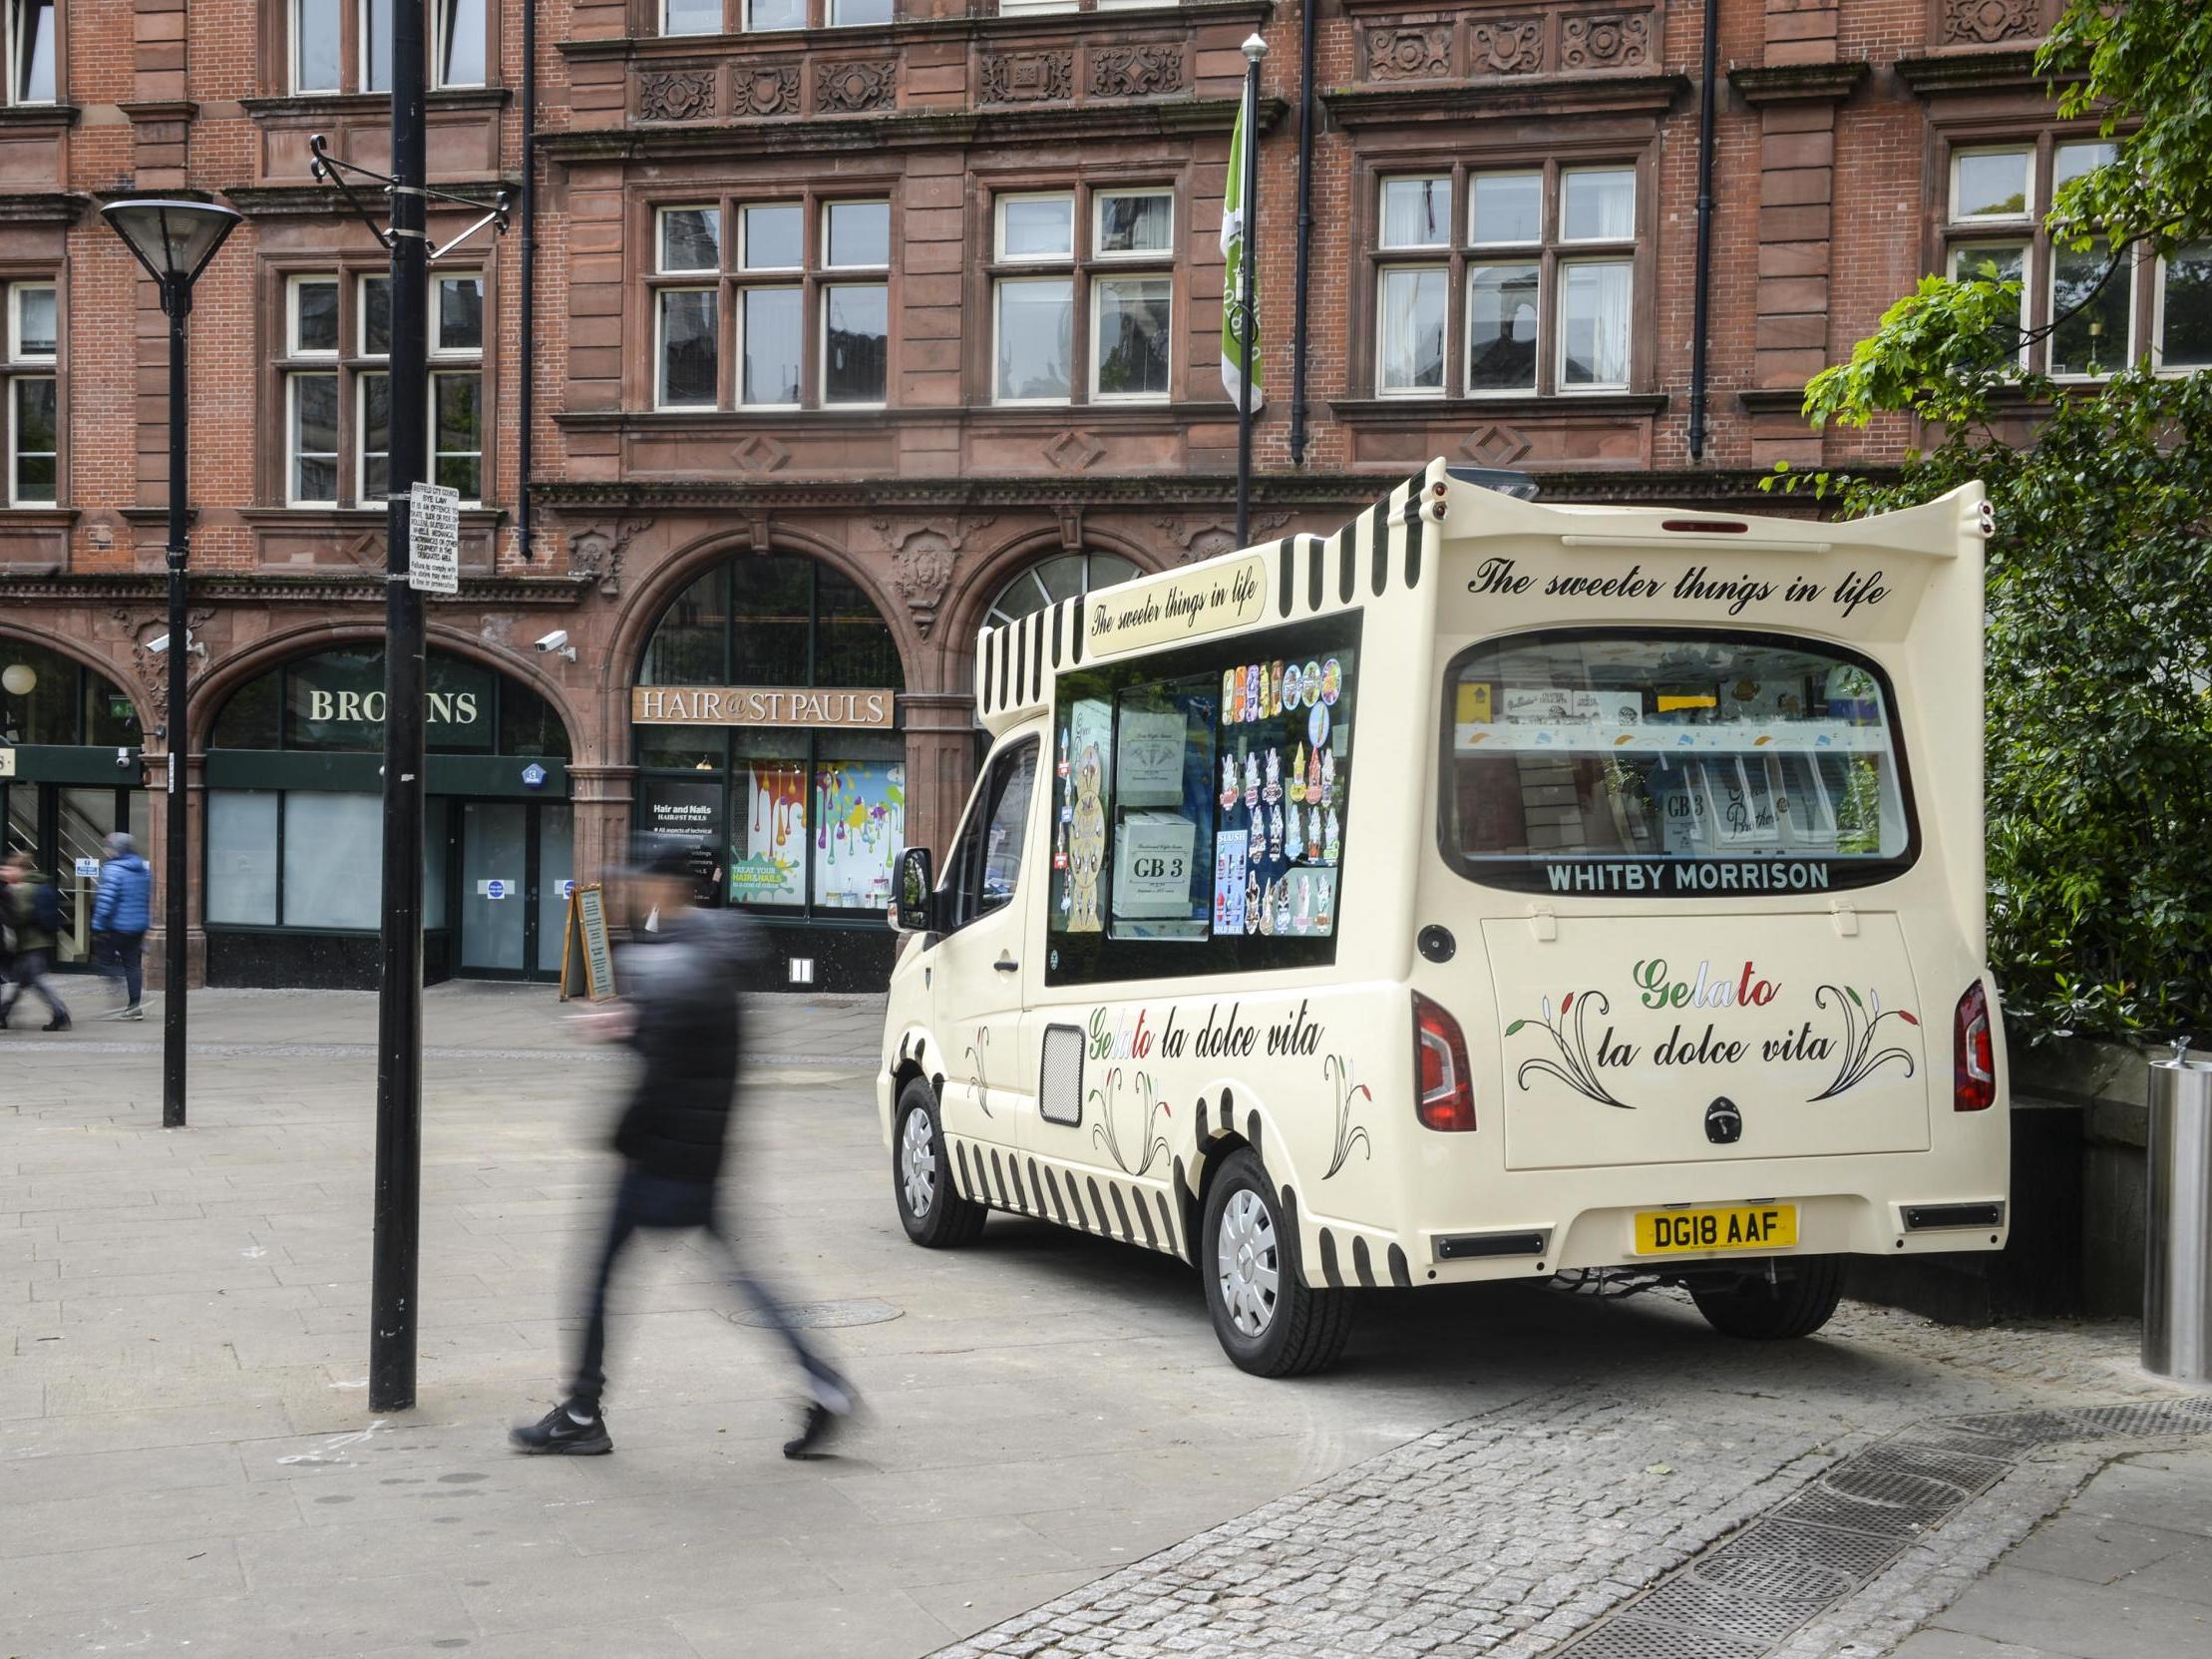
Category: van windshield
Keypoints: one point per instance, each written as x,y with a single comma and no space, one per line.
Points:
1671,765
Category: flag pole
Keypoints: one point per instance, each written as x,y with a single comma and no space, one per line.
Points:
1248,193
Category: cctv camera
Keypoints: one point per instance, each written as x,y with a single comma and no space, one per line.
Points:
157,646
557,643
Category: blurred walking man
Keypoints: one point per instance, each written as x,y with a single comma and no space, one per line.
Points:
122,911
35,918
680,1012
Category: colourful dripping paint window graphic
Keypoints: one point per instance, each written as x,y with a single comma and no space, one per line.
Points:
766,862
1200,805
860,825
1672,765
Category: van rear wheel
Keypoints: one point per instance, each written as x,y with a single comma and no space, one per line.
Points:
1797,1303
1269,1322
934,1216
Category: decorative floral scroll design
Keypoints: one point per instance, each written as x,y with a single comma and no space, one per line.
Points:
1420,52
1028,77
1985,22
1136,70
1506,45
676,95
976,1079
920,571
1860,1059
1605,40
1575,1067
769,89
151,666
1337,1069
596,553
855,85
1104,1134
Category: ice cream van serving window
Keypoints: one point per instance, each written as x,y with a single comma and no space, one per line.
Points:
1201,808
1673,765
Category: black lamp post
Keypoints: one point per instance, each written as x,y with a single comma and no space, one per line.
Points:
173,240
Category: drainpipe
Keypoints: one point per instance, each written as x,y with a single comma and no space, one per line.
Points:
1311,10
1704,236
527,377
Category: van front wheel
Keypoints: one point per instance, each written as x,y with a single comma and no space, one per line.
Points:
1269,1323
935,1217
1800,1300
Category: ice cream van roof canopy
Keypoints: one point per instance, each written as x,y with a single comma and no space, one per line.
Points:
1392,546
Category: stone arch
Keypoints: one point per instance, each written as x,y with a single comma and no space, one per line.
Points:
122,675
214,690
971,600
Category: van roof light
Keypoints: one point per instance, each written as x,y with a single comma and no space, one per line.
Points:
1705,526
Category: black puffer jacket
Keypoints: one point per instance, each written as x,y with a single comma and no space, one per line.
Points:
683,983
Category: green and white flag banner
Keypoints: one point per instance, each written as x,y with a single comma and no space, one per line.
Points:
1234,298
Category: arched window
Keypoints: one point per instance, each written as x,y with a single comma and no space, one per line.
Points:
1049,581
771,748
333,702
49,698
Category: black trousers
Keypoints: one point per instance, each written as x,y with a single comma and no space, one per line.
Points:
658,1204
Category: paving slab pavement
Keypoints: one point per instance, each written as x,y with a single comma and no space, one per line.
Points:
1053,1439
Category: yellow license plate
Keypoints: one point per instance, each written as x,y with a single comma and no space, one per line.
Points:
1732,1227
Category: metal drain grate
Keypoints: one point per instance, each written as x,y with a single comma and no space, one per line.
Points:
1814,1548
821,1316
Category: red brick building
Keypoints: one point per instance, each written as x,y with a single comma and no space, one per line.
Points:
851,325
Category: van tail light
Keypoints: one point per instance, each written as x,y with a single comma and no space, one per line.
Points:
1447,1087
1974,1066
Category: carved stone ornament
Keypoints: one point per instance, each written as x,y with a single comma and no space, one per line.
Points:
855,85
1506,45
1028,77
1420,52
1605,40
920,571
1136,70
769,89
1985,22
676,95
596,551
1195,540
151,667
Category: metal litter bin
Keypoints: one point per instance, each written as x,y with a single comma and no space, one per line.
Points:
2177,1248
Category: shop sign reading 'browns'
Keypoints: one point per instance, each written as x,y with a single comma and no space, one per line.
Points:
758,705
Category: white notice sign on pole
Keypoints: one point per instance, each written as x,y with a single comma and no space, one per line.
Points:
434,538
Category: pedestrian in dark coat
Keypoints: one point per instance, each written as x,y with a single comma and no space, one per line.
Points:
680,1010
122,911
34,917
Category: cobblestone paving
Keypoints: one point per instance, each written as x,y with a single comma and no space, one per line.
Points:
1511,1531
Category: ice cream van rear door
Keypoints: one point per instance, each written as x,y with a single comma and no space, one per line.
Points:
1652,1039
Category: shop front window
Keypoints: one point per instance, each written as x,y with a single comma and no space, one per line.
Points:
764,738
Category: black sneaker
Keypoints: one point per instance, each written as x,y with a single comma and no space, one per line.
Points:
559,1432
60,1023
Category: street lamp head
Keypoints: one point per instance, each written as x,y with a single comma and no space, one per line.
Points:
1255,47
173,240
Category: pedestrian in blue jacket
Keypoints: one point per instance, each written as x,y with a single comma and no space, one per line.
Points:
122,911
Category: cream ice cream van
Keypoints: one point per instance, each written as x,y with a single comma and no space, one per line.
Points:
1488,890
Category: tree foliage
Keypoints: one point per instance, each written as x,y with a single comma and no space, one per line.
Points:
2099,634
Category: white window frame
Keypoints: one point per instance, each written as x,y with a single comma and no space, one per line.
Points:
2026,242
1099,199
2026,214
1384,272
825,263
12,454
737,358
1534,244
1044,8
361,345
364,29
429,425
1561,238
15,292
998,229
441,23
745,266
437,310
295,35
1382,215
292,347
998,286
361,496
12,47
660,26
1097,284
660,343
798,27
292,451
660,239
2158,324
834,21
2125,277
823,290
1600,389
1485,256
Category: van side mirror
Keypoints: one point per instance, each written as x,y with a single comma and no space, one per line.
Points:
916,890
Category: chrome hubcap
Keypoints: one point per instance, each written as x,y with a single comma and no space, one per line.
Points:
918,1164
1245,1256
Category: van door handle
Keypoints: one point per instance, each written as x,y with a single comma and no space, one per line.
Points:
1006,965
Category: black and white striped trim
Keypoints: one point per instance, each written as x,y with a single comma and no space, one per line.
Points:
1143,1213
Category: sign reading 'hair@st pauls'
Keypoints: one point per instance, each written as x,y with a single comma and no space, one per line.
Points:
757,706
